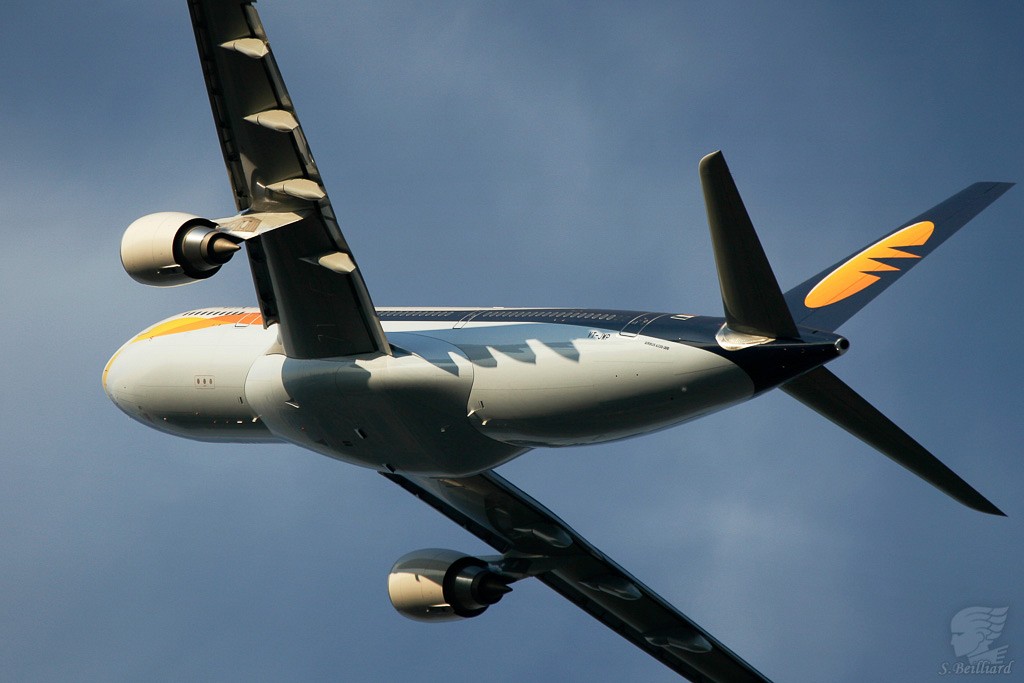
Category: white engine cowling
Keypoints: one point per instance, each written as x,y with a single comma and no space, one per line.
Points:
443,585
171,248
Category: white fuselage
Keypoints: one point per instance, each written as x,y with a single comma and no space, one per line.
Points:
455,397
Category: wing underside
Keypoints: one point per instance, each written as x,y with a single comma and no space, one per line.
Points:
305,274
529,535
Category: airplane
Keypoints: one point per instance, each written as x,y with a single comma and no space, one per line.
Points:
436,398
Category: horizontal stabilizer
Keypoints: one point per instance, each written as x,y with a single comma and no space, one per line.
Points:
829,396
834,295
750,293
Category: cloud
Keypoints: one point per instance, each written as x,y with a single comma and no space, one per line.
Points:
541,155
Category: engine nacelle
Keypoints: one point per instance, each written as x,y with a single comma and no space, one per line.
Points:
171,248
443,585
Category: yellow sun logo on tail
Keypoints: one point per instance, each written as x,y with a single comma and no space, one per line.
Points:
856,274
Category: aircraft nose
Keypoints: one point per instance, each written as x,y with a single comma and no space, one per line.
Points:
120,383
114,380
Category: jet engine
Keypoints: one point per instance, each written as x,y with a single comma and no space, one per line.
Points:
443,585
170,248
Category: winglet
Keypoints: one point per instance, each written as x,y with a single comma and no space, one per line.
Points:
750,293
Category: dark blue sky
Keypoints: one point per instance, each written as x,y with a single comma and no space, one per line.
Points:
518,154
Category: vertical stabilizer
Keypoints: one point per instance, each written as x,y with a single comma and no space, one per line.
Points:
834,295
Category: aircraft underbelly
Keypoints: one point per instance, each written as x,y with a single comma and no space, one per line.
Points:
404,413
448,402
610,387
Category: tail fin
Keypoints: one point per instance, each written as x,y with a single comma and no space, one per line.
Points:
834,295
755,305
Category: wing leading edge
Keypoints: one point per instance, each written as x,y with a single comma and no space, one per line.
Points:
305,274
536,543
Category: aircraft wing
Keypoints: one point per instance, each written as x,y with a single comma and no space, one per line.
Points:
534,542
305,275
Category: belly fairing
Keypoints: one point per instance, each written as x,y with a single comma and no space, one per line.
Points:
405,412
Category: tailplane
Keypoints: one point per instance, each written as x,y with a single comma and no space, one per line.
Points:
751,295
830,397
755,306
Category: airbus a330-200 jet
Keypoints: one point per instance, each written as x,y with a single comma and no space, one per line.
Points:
436,398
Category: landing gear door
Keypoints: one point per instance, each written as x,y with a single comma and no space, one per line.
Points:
637,324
